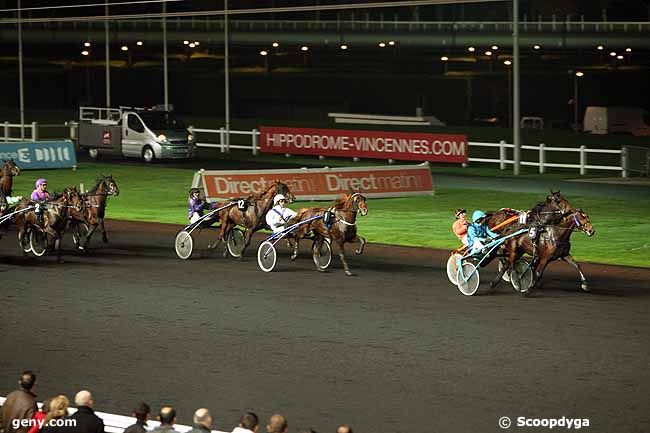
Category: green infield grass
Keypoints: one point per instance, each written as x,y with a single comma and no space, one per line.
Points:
159,194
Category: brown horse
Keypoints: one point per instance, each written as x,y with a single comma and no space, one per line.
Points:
252,217
85,222
545,212
7,173
53,220
551,243
343,228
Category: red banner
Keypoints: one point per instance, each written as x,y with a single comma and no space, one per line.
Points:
320,184
365,144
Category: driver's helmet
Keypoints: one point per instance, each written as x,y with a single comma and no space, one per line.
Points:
40,182
478,215
277,198
194,191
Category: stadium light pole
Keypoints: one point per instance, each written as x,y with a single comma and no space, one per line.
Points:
165,72
515,88
108,58
20,74
226,73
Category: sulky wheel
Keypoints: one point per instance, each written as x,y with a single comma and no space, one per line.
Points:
236,242
452,268
521,277
38,241
323,254
266,256
184,244
468,279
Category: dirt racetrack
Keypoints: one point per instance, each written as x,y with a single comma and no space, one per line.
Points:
395,348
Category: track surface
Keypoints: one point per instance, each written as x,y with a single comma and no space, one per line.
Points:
394,349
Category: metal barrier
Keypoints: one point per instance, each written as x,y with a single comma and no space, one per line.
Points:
222,144
20,135
543,150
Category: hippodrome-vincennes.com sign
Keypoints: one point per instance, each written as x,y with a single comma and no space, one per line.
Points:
414,146
40,154
320,183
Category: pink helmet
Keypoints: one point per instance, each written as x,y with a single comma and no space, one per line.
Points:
40,182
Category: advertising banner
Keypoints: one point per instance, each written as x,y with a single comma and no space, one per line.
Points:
40,154
320,183
414,146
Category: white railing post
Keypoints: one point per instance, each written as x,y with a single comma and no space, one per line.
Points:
34,131
624,161
7,133
502,155
583,160
222,139
254,141
542,158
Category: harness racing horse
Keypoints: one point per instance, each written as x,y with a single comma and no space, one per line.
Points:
7,173
341,230
85,222
552,243
51,222
252,217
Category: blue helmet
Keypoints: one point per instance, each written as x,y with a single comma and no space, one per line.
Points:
477,215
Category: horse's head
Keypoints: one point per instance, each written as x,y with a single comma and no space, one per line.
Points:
357,202
282,188
72,198
109,185
113,189
559,201
9,168
583,222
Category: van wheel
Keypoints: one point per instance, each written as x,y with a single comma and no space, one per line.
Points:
147,154
93,153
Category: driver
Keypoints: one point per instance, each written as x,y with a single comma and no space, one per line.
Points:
279,214
478,233
40,193
196,205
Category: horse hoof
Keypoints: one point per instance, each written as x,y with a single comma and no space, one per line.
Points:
584,287
293,257
349,273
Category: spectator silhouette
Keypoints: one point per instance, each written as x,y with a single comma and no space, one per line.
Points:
202,421
19,405
85,419
167,418
141,414
277,424
248,423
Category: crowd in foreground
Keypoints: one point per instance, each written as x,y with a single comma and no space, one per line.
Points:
20,414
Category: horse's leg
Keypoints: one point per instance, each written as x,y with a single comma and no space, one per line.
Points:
91,230
220,236
539,271
346,268
248,236
508,263
362,244
57,246
224,237
295,246
583,280
104,235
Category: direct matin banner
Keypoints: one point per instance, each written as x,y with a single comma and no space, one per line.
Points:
414,146
319,183
40,154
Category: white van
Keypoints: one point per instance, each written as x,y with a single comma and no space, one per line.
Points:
613,120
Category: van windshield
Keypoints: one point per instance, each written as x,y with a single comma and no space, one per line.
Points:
161,120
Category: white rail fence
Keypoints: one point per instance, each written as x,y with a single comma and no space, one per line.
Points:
216,138
543,151
117,423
